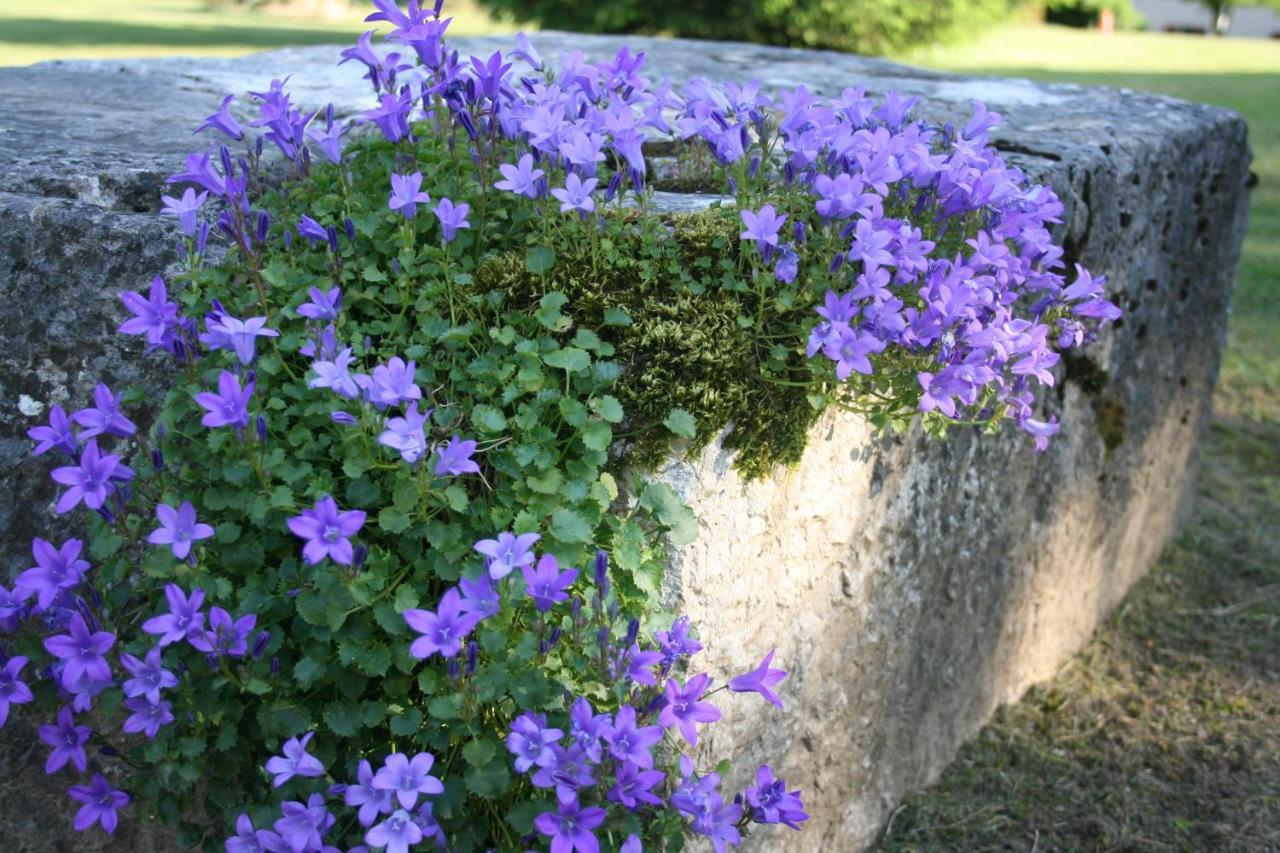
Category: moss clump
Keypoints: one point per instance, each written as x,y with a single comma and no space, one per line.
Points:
687,343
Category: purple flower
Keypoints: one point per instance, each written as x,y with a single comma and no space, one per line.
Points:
718,821
870,246
635,785
327,531
455,458
223,121
11,611
230,406
324,305
569,827
480,596
526,51
99,804
452,218
397,833
547,583
576,194
104,416
677,642
632,844
55,570
242,335
1041,431
408,778
147,716
336,375
521,179
508,552
787,265
530,741
82,653
390,384
304,825
762,226
57,435
771,802
296,761
760,680
640,665
407,434
67,740
443,631
155,316
627,742
684,707
406,194
178,529
225,636
587,728
849,350
149,676
85,691
13,691
250,840
201,172
185,208
312,230
371,801
329,140
184,620
89,481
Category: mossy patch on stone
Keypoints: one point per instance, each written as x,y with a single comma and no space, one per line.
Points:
685,345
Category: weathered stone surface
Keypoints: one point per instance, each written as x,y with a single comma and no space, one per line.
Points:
910,586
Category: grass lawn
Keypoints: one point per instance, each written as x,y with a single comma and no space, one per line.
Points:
94,29
1164,734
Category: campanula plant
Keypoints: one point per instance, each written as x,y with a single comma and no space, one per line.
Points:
369,578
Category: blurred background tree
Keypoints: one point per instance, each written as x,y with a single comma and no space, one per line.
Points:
864,26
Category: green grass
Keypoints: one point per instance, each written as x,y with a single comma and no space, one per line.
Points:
101,29
1164,734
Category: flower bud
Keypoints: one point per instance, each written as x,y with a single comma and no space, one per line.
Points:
358,556
261,423
343,418
260,644
633,631
452,669
473,655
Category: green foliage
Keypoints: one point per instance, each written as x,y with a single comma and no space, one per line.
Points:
863,26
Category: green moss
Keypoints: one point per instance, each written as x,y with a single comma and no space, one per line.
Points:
685,346
1111,414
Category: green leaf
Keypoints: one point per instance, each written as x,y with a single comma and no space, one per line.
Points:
570,359
308,671
393,520
479,752
608,408
596,435
681,422
539,259
488,418
570,527
617,316
671,512
446,707
406,723
546,484
490,780
342,718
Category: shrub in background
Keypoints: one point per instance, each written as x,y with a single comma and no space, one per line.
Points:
346,589
860,26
